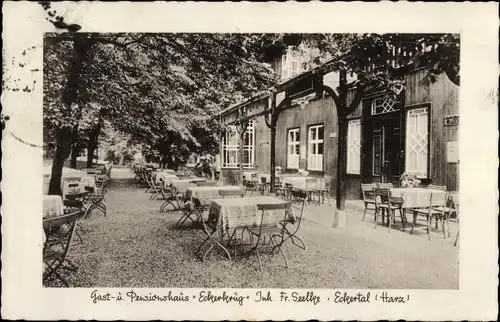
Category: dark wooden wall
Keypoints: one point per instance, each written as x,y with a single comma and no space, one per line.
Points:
443,98
320,111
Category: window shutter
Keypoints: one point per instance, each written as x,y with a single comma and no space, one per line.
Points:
417,142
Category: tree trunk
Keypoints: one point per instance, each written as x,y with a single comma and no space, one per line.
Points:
272,166
64,140
75,150
341,162
72,95
90,155
122,160
92,146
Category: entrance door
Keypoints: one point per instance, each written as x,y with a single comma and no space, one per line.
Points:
386,162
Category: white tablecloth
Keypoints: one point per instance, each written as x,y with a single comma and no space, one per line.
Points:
52,206
164,175
182,184
414,197
205,194
304,183
87,181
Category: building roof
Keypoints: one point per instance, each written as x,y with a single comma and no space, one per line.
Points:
324,68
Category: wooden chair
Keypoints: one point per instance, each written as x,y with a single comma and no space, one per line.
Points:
264,236
231,193
436,187
250,186
435,209
291,228
323,189
383,205
59,233
368,197
287,190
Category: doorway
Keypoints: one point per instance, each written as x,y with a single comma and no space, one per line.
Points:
386,145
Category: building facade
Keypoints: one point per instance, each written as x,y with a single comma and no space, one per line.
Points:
415,132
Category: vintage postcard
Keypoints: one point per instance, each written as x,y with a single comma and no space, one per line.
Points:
249,161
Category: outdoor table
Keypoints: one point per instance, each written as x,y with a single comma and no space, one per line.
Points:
87,181
267,176
207,193
413,197
164,175
52,206
247,175
237,213
181,185
300,183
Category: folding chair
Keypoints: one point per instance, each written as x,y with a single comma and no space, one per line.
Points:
383,204
96,198
250,186
59,233
171,196
291,232
436,209
269,230
368,197
210,228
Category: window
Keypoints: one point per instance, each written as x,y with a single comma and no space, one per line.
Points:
230,147
292,161
417,142
384,105
315,148
291,64
354,147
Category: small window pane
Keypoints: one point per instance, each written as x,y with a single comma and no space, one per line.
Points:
320,148
320,133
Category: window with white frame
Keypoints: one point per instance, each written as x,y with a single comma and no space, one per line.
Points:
292,160
230,147
417,142
354,147
315,148
384,105
291,64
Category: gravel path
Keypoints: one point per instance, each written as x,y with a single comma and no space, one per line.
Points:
136,246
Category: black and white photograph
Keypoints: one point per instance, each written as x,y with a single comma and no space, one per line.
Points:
293,161
251,160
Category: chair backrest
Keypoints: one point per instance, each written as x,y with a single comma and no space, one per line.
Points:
436,187
438,199
54,227
384,194
367,189
386,185
273,207
299,202
311,183
231,193
206,183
